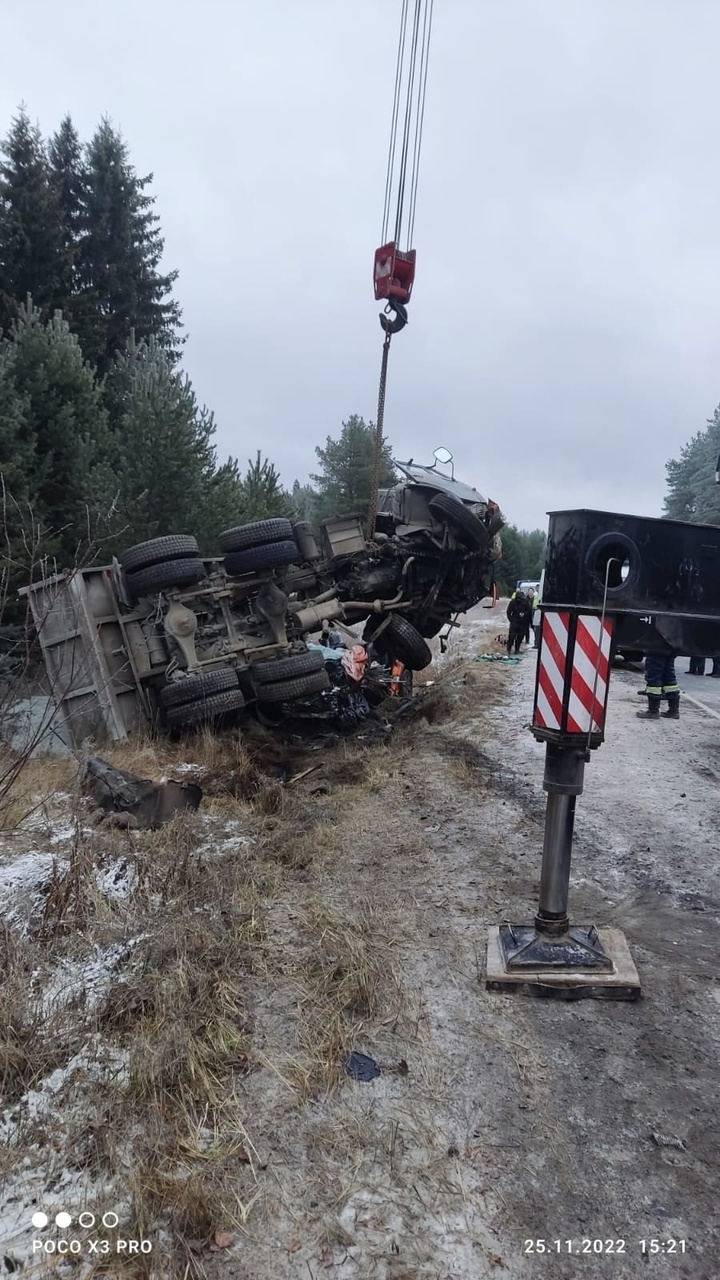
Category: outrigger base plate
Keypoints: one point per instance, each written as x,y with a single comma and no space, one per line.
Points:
562,982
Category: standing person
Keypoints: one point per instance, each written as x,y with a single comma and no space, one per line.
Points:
528,629
661,682
697,667
519,614
535,616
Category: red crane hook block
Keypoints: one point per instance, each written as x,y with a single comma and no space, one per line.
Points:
394,272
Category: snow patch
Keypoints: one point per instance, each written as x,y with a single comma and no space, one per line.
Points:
117,881
22,885
85,980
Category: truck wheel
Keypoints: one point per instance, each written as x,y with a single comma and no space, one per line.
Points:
433,626
402,640
289,690
460,518
297,665
174,573
176,546
198,685
258,534
273,556
205,709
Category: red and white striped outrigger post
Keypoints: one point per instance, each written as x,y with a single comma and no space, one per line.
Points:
573,675
610,578
551,956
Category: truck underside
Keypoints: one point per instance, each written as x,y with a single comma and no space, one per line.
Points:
164,636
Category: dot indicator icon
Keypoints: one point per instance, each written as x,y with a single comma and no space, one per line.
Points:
63,1220
86,1219
39,1219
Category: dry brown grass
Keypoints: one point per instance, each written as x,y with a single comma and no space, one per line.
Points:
170,1130
31,783
33,1041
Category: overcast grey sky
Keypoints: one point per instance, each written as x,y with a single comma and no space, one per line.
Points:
565,324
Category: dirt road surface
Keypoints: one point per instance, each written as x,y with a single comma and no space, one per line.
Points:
505,1136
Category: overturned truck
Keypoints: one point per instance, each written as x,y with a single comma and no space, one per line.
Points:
166,637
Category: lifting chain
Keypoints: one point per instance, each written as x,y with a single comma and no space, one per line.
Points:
377,464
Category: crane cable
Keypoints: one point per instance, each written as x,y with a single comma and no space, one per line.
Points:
415,77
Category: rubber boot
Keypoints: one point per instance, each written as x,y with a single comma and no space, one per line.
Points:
653,710
673,711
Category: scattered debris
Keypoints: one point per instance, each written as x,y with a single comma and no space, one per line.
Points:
667,1140
132,801
298,776
361,1067
224,1239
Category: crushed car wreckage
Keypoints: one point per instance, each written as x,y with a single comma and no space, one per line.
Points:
165,636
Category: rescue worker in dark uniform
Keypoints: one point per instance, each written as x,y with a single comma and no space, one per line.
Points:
519,612
661,682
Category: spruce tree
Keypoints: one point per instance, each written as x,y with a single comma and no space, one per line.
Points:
122,291
53,479
33,250
67,180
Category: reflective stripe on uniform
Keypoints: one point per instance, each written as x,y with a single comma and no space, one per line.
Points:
654,691
671,688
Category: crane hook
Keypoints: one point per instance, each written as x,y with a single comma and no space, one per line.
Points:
398,321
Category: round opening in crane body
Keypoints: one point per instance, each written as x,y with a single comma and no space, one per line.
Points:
615,559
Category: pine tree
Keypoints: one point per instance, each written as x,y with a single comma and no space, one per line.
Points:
261,494
523,557
693,494
221,506
17,438
122,291
347,468
33,251
306,503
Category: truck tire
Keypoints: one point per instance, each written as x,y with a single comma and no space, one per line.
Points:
433,626
460,518
401,639
275,555
289,690
258,534
174,573
198,685
297,665
176,546
205,709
